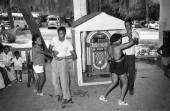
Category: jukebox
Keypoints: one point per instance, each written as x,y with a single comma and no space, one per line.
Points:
96,44
90,37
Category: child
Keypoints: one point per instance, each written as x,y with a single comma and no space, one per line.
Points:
30,69
165,56
38,63
18,62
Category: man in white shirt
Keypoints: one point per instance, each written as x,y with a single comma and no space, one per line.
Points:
129,63
60,75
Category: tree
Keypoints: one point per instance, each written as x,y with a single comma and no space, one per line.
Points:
54,6
26,12
6,4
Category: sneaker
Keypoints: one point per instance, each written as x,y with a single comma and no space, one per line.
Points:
122,102
41,94
102,98
20,80
67,101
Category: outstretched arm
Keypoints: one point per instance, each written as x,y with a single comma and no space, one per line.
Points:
46,53
159,51
52,51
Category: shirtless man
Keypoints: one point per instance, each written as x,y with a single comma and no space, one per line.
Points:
116,67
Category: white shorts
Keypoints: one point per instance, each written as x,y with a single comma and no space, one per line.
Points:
17,67
38,69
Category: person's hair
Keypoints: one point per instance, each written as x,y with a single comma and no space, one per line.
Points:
62,29
2,27
6,46
128,21
115,37
16,52
34,38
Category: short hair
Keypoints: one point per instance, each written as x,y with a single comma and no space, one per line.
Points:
16,52
115,37
6,46
34,38
129,21
62,29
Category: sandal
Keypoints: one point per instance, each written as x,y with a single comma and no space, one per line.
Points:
102,98
122,102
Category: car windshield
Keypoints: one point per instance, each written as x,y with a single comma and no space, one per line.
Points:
53,19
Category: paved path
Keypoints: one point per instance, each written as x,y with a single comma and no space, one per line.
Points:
152,93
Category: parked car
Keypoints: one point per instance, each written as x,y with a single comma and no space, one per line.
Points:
152,24
137,24
53,21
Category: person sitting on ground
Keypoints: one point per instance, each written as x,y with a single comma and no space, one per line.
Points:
165,49
114,51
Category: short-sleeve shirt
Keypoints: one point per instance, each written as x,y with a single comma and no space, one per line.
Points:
131,50
62,47
38,58
17,62
6,58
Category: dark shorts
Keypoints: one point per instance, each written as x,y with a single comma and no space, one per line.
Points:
117,68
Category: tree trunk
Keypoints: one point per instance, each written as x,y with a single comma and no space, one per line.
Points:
100,5
10,15
88,6
147,11
33,26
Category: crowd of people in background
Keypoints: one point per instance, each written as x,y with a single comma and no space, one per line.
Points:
11,66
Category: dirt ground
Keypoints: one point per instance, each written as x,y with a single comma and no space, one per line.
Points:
151,94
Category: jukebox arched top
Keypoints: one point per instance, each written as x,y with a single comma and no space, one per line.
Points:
98,36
